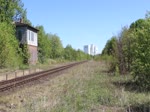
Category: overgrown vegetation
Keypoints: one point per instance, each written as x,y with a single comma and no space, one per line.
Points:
50,47
14,54
8,46
125,53
84,88
130,50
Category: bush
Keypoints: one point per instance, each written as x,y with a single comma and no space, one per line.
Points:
8,46
141,64
111,62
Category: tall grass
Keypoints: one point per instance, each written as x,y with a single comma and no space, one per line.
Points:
85,88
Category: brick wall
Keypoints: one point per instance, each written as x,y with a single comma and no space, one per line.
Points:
33,54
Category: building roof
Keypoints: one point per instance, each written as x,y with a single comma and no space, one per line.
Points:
19,24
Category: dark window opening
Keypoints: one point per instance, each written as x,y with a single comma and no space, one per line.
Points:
19,35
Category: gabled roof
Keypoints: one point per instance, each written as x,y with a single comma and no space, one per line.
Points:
19,24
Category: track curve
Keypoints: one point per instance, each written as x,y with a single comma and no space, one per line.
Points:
8,84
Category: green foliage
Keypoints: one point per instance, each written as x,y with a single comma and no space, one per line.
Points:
24,17
127,48
109,54
56,46
10,9
120,52
141,65
131,52
74,55
24,53
116,71
120,48
44,49
50,46
8,46
82,56
68,52
110,47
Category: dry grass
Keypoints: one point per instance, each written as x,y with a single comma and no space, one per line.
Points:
7,74
85,88
17,73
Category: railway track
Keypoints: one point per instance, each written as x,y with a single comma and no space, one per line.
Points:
9,84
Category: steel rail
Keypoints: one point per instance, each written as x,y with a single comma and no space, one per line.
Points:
6,85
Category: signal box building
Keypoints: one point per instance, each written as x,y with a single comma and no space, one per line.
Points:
27,34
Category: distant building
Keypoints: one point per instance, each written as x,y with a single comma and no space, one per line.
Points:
87,49
28,34
90,49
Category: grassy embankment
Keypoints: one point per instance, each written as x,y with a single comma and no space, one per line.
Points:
45,65
28,69
85,88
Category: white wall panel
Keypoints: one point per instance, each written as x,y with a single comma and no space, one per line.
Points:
31,38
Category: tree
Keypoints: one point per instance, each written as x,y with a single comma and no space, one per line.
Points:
128,42
81,55
121,47
141,47
24,17
68,52
44,49
10,9
132,51
110,47
110,53
8,47
56,46
24,53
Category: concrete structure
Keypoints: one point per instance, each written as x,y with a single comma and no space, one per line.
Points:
27,34
87,49
90,49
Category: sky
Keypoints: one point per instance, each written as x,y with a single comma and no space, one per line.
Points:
84,22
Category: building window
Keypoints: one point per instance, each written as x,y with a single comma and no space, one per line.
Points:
32,36
19,35
29,35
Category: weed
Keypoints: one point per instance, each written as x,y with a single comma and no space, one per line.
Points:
85,88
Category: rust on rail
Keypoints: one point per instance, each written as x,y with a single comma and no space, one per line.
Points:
12,83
